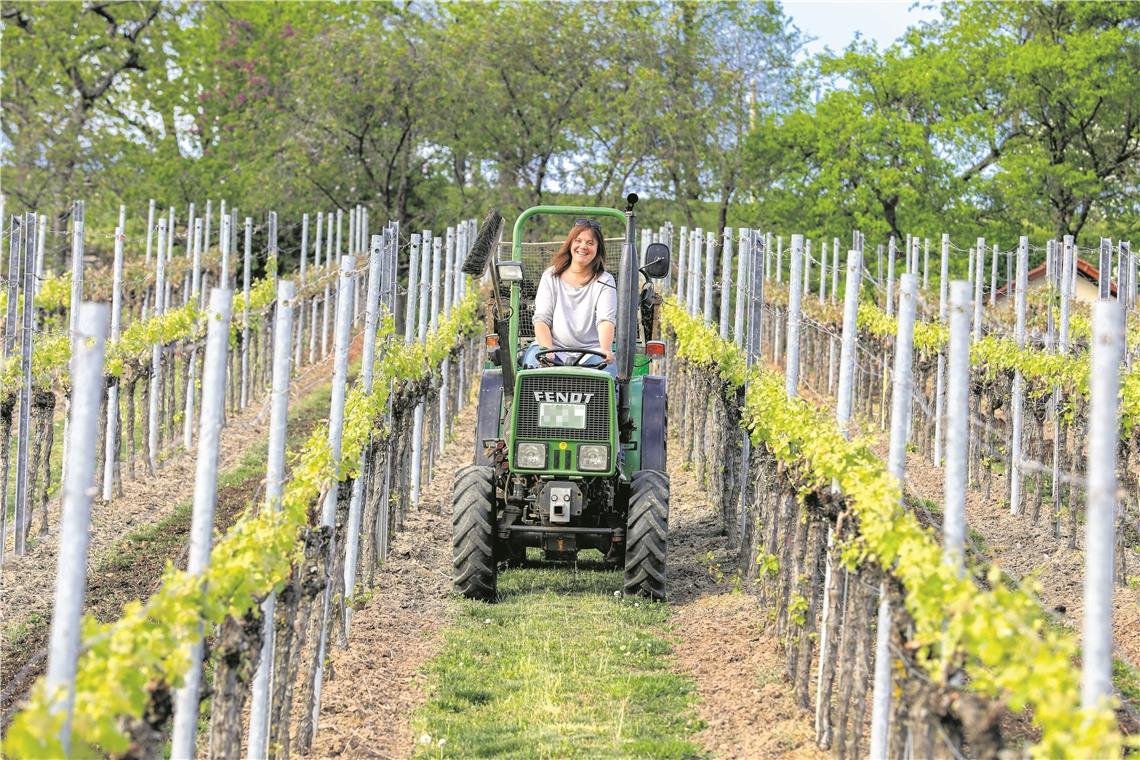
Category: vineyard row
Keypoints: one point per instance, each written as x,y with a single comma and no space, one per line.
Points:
822,526
279,585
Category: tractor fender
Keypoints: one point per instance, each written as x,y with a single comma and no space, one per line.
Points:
653,423
490,412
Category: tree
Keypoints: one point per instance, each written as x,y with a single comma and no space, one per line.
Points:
1005,118
69,73
1066,145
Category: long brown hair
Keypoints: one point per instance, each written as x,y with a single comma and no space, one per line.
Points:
561,260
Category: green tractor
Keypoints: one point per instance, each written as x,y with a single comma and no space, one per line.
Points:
567,457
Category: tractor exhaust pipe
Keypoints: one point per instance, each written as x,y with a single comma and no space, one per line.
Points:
627,316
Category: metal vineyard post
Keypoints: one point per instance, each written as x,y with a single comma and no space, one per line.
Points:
75,512
695,270
205,499
1100,522
368,361
744,266
682,266
1018,381
902,391
111,451
24,424
847,350
725,280
979,279
940,379
710,271
336,437
792,354
274,483
891,277
14,251
957,425
156,350
807,268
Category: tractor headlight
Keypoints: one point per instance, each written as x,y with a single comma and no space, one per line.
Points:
530,456
510,271
594,457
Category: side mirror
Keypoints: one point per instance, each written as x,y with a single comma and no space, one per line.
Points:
656,261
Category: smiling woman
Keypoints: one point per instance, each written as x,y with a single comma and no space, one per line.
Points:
576,303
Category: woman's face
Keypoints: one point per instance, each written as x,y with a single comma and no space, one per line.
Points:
584,247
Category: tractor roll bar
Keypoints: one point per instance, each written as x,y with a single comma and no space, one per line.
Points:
516,240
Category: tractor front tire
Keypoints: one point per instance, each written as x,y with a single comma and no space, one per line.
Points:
473,532
647,535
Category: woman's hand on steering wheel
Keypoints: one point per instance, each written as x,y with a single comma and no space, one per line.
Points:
582,352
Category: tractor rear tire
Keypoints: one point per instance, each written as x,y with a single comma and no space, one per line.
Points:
473,532
647,535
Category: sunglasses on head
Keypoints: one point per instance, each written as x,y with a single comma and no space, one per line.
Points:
589,223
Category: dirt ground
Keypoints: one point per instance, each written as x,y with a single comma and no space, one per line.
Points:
721,642
725,643
375,684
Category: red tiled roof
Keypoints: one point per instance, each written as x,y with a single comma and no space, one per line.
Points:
1090,273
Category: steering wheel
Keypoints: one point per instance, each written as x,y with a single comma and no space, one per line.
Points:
582,352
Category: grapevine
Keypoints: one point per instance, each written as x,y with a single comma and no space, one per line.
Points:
998,636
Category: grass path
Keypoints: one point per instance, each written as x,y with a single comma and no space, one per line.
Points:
561,666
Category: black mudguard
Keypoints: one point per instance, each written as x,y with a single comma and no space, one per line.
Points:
490,411
653,423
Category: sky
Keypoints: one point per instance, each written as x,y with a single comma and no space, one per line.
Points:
834,23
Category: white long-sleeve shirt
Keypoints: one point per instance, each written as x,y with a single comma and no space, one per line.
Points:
574,314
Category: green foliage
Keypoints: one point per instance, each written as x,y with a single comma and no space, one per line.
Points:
797,610
50,355
242,100
71,73
52,352
135,343
767,564
691,338
54,295
996,355
998,636
997,118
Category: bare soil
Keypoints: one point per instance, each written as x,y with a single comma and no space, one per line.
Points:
376,684
725,643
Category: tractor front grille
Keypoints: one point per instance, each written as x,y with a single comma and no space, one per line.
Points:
597,410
